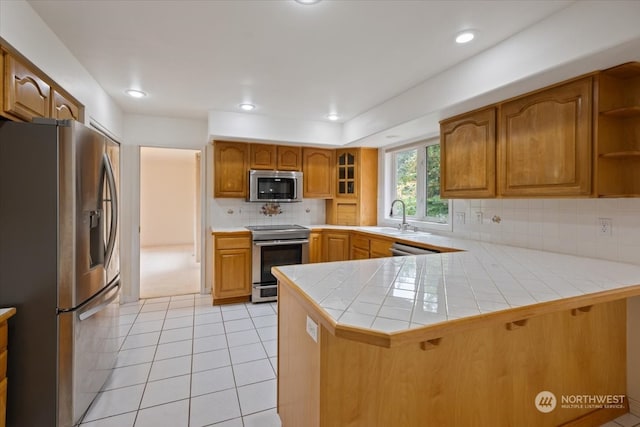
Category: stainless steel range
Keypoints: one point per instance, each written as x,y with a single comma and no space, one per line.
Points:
275,245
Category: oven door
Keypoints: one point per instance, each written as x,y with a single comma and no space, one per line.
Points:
272,253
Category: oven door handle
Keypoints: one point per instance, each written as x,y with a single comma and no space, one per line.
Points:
281,242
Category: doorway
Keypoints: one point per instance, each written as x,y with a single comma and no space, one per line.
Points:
169,222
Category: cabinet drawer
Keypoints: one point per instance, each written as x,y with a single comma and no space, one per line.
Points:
3,364
233,243
3,336
379,247
360,242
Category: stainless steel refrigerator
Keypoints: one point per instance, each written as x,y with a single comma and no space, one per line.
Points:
59,266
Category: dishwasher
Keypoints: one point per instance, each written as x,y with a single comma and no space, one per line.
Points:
400,249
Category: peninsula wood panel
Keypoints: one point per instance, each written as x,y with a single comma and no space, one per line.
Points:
468,155
318,167
289,158
230,169
298,365
545,142
488,376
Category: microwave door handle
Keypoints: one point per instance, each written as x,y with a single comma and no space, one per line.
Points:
281,242
111,182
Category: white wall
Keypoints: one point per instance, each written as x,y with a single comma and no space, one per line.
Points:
167,196
153,131
238,213
23,29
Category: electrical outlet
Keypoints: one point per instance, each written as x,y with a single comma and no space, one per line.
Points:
478,217
312,329
460,218
605,226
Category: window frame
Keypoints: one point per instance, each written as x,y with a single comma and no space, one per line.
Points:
421,221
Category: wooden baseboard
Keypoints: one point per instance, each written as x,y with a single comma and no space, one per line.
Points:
234,300
598,417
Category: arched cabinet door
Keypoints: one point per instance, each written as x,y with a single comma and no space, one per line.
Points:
230,169
545,142
468,155
28,96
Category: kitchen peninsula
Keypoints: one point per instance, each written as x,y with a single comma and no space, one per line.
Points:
459,338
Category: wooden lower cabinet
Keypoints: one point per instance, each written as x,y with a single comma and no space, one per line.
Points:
231,267
380,248
4,340
315,247
487,375
335,246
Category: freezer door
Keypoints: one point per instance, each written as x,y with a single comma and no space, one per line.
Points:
86,362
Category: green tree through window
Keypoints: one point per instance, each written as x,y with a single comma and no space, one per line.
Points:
437,210
407,179
417,183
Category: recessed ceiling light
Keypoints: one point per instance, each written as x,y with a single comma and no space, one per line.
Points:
134,93
247,107
465,37
333,117
307,1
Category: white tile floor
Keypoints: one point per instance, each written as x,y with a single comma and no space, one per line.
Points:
185,363
627,420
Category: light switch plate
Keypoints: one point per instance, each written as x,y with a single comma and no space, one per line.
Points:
312,329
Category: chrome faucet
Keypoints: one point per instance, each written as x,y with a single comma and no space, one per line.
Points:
404,224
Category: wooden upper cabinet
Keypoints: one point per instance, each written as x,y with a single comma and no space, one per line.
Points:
64,108
26,94
318,167
356,199
545,142
230,169
346,173
468,155
289,158
262,156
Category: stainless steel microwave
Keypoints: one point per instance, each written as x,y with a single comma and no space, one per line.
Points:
274,186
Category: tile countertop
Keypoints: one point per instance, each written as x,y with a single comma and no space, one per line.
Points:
6,313
397,294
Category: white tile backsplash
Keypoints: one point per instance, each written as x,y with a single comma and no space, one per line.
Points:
238,213
558,225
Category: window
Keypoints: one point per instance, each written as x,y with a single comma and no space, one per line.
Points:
415,179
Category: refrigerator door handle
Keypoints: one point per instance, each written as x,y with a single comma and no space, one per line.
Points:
87,313
111,182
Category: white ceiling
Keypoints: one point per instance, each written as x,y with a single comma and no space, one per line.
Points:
292,61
